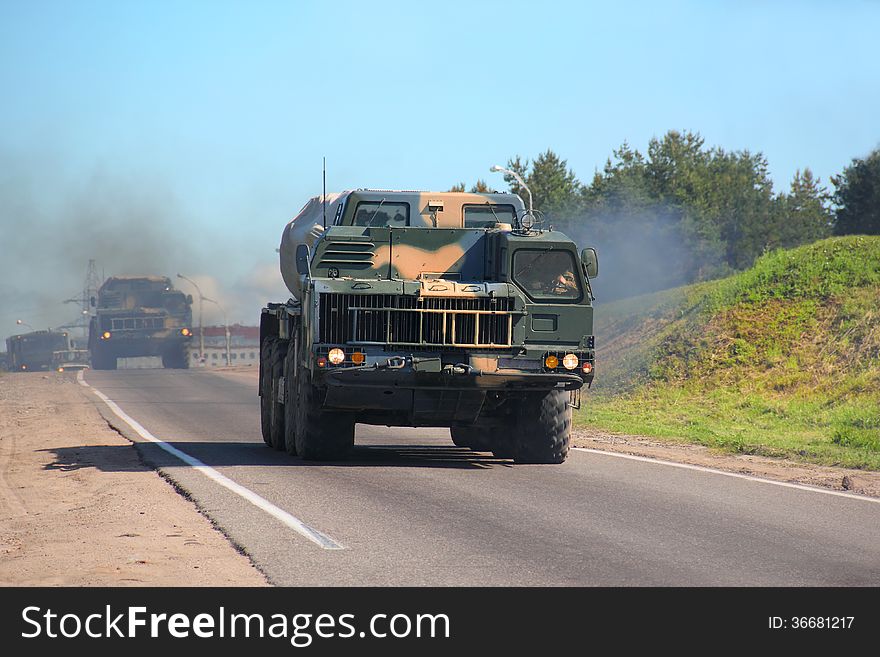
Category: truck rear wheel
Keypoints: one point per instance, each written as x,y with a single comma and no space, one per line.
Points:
271,412
265,392
475,437
503,445
319,435
543,428
276,415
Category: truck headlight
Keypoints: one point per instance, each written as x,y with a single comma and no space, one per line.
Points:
336,356
570,361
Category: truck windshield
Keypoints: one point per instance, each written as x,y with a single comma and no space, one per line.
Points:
486,216
381,213
43,343
547,274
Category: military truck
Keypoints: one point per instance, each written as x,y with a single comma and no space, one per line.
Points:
68,360
35,351
426,309
140,316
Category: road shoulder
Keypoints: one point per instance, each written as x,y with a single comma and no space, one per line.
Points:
860,482
79,508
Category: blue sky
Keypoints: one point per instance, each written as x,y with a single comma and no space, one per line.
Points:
220,112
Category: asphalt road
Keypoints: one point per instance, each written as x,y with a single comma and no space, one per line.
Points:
410,508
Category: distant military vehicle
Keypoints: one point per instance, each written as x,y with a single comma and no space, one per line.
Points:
140,316
66,360
426,309
35,351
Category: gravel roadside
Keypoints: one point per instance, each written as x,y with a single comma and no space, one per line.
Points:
862,482
79,508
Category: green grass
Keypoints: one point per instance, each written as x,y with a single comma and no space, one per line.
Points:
780,360
812,430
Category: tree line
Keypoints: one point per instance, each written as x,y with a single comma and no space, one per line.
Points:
683,212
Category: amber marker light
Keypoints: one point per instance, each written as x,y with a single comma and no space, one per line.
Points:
358,358
552,362
185,332
105,335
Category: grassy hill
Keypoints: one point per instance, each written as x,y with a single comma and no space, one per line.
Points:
782,359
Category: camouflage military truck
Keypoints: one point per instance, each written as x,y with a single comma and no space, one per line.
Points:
35,351
140,316
426,309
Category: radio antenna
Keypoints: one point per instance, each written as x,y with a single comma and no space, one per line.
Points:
324,199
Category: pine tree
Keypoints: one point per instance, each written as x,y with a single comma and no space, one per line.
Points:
857,196
804,214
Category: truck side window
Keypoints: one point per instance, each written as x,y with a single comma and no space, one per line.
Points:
377,213
547,274
487,215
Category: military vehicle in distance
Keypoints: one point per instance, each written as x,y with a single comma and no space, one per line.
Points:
140,316
68,360
36,351
426,309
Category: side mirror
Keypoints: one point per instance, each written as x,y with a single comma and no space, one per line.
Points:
92,301
189,299
590,261
302,260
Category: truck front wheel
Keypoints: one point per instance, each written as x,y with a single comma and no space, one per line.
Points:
102,360
543,428
319,435
174,358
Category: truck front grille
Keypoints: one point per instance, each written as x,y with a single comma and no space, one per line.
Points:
396,320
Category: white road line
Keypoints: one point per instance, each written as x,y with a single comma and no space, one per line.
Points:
738,475
278,513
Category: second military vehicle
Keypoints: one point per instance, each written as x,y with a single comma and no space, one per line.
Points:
36,351
426,309
140,316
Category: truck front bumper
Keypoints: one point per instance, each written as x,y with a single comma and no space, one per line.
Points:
464,378
406,396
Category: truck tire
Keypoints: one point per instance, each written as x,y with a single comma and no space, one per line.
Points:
276,409
266,348
543,428
475,437
319,435
502,446
174,358
290,370
103,361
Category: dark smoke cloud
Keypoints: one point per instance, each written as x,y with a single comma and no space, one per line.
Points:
50,228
